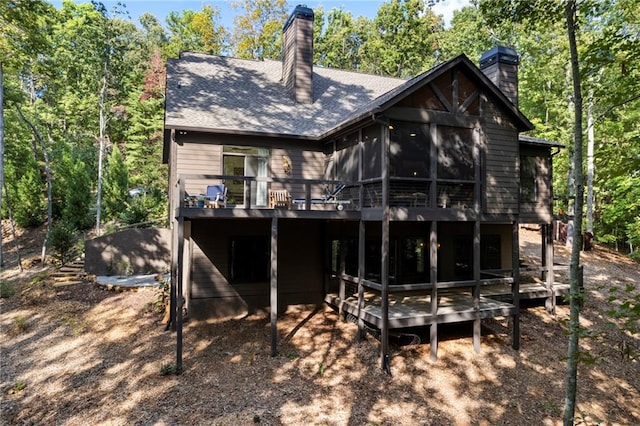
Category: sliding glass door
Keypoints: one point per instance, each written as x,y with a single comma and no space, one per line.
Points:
245,162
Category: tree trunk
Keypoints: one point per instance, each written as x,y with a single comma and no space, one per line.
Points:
575,293
590,165
13,226
1,150
47,169
103,92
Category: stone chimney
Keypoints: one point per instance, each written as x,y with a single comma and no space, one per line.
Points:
500,64
297,55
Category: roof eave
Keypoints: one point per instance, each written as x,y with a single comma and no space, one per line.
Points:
233,132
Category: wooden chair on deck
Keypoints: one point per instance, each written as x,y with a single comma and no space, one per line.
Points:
279,198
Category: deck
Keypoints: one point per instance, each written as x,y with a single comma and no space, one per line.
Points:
412,309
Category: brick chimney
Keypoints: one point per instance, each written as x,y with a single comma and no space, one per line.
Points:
297,55
500,64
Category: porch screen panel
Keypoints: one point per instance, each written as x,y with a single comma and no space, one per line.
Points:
455,167
455,153
372,163
410,146
347,155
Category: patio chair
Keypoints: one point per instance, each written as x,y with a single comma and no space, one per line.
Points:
217,195
279,198
329,198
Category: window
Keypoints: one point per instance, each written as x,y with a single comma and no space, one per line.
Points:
245,161
250,259
490,252
410,265
528,178
490,255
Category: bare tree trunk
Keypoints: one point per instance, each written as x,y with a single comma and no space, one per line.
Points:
575,297
103,121
1,150
13,226
45,153
590,165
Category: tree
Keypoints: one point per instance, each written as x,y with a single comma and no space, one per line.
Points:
78,199
258,30
535,12
338,46
143,145
19,35
403,41
30,206
116,184
196,32
575,291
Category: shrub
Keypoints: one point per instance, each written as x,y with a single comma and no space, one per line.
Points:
29,206
6,290
145,207
62,240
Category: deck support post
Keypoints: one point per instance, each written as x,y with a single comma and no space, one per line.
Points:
433,269
361,272
179,298
477,322
274,286
547,260
342,292
515,289
384,267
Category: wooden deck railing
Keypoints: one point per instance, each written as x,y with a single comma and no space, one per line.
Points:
253,191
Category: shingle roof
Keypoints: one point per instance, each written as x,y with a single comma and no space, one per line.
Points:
530,140
230,95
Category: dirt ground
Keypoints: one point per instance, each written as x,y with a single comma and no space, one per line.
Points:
81,355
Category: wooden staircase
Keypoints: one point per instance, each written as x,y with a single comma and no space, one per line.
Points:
71,273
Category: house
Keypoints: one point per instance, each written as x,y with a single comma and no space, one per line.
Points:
396,201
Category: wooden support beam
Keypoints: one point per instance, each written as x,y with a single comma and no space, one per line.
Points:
179,296
342,293
548,264
274,286
361,274
384,272
433,268
476,288
515,287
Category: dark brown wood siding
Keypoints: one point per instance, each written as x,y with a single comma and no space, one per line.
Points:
300,267
200,159
501,163
206,159
304,165
540,210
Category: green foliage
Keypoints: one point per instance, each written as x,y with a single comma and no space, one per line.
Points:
21,324
144,143
29,201
145,208
403,42
62,240
77,195
258,29
115,186
168,369
626,307
338,44
6,289
196,31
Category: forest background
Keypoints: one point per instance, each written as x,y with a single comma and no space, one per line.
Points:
83,95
